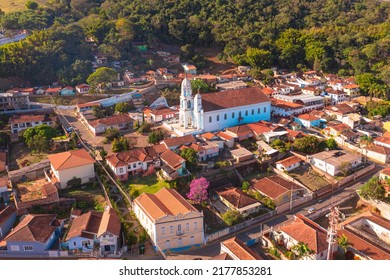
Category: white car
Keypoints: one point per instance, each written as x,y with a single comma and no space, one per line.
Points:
311,210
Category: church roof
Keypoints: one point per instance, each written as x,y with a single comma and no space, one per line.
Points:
232,98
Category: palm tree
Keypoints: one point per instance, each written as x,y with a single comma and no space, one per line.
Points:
343,242
301,250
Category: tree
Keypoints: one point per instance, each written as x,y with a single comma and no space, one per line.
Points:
309,145
258,58
101,77
301,250
291,47
331,144
343,242
145,128
245,186
111,134
345,167
372,189
279,145
98,112
120,145
191,157
31,5
156,136
39,143
198,190
232,217
199,85
122,107
39,138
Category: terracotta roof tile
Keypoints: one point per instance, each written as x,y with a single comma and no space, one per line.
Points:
33,228
240,250
232,98
224,136
5,213
308,117
85,225
177,141
385,171
127,157
289,161
172,159
112,120
26,118
110,223
70,159
164,202
237,197
274,186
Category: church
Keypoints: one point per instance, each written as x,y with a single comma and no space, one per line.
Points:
218,110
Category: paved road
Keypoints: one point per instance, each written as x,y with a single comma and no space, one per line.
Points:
213,248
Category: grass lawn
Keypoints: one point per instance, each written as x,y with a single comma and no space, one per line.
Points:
148,184
9,6
92,195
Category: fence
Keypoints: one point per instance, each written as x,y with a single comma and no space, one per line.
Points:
30,172
238,227
357,174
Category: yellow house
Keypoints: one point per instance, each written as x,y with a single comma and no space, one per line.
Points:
67,165
171,221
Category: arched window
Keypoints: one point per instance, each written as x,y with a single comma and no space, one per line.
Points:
188,104
225,117
233,115
210,119
253,112
246,113
217,118
258,111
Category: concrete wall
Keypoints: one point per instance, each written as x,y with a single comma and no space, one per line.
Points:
383,207
85,172
30,172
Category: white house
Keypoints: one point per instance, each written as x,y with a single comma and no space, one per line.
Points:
67,165
331,161
19,123
83,88
171,221
289,163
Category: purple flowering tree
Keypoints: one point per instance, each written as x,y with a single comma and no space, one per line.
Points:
198,190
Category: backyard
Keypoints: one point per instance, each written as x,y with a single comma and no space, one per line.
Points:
148,184
309,178
87,196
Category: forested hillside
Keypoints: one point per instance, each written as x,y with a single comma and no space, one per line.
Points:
349,37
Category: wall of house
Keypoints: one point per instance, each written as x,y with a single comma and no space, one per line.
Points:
77,243
18,247
85,172
7,225
381,158
288,168
211,123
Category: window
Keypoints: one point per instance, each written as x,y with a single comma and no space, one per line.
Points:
253,112
210,119
265,109
74,243
187,227
246,113
179,228
28,248
217,118
120,170
225,116
163,230
15,248
188,104
129,167
239,114
233,115
258,111
195,225
134,165
171,229
167,244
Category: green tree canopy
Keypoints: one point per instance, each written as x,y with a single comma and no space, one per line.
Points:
122,107
199,85
191,157
309,145
102,76
258,58
232,217
156,136
372,189
119,145
39,138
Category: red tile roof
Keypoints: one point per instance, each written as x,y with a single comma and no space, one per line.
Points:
127,157
164,202
274,186
308,117
110,223
285,104
268,91
208,135
237,197
5,213
70,159
351,86
112,120
26,118
172,159
289,161
177,141
305,230
385,171
224,135
53,90
85,225
232,98
240,130
240,250
33,228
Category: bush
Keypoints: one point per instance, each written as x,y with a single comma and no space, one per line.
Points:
232,217
145,128
75,182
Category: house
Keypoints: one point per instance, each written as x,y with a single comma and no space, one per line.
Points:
383,140
278,189
335,130
368,236
36,233
200,151
309,102
289,163
237,250
131,162
14,101
336,96
304,230
242,154
308,120
67,91
235,199
352,120
171,221
160,114
332,161
94,228
7,219
351,89
339,110
87,106
68,165
173,166
207,78
240,132
22,122
384,174
283,108
227,138
53,91
269,91
309,90
266,150
82,88
377,153
231,85
189,69
118,122
294,134
175,142
271,136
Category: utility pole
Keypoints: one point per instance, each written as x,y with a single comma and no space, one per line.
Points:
334,219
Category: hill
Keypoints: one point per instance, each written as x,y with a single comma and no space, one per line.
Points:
9,6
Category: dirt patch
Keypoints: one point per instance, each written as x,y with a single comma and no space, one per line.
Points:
308,177
213,222
214,65
32,190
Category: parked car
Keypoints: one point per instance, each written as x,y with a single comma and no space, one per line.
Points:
311,210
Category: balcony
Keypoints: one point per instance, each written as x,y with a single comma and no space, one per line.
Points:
179,232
